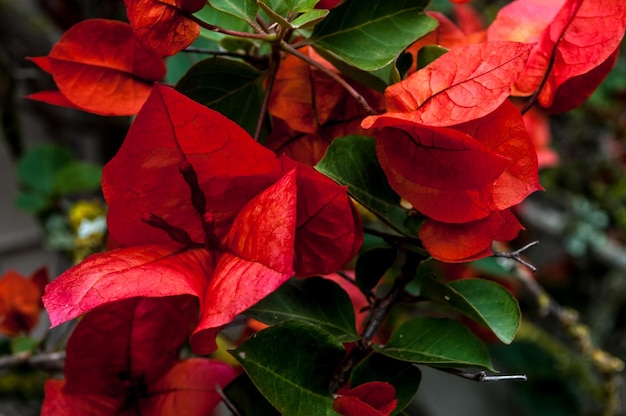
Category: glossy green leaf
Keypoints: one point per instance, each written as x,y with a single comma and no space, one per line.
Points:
372,265
233,88
301,6
316,300
221,19
352,161
487,303
38,168
247,398
404,376
292,364
77,176
243,9
371,34
437,342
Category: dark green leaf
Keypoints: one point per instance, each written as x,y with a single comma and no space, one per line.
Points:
315,300
428,54
243,9
38,168
77,176
437,342
352,161
233,88
371,34
33,202
371,266
247,398
404,376
292,364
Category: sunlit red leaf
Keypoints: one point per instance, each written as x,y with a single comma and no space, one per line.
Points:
161,26
468,241
576,39
20,301
464,84
538,128
470,21
100,67
369,399
57,403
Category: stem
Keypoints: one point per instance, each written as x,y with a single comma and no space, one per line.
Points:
380,309
273,71
269,37
482,376
47,360
354,93
516,255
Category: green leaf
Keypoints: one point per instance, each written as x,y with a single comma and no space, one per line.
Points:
247,398
484,301
352,161
301,6
221,19
308,19
428,54
242,9
233,88
33,202
21,344
371,34
371,266
292,364
315,300
437,342
38,168
76,177
404,376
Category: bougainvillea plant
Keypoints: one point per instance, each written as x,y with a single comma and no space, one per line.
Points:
269,137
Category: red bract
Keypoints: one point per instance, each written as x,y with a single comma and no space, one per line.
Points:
202,209
466,83
577,45
369,399
462,177
99,66
161,25
20,301
309,109
122,359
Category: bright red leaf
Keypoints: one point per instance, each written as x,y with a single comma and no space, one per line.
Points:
213,215
131,349
20,301
370,399
161,26
99,66
460,176
577,44
464,84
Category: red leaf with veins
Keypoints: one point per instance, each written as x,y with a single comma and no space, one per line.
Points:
370,399
100,67
161,26
456,243
226,217
464,84
576,39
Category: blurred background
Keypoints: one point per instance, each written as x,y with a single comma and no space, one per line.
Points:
570,347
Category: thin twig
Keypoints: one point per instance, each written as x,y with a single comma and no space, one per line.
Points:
46,360
516,255
482,376
269,37
271,78
226,400
354,93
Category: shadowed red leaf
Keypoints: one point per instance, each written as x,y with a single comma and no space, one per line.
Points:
576,39
20,301
99,66
161,26
464,84
369,399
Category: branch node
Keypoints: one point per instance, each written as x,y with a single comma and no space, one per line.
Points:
516,255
